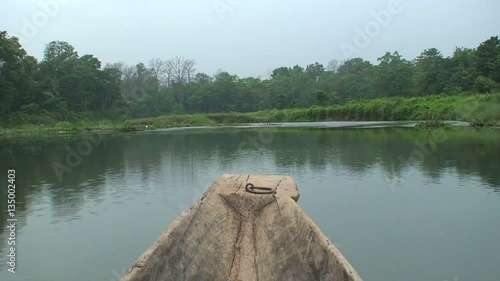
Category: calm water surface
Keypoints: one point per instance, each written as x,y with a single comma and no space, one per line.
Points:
400,203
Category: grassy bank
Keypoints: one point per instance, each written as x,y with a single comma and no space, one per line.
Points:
459,108
60,128
477,109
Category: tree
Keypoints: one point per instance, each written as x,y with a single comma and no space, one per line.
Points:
224,92
129,82
484,85
64,83
16,75
202,78
461,71
284,71
108,89
328,84
430,73
354,80
488,59
251,94
199,95
146,79
158,70
77,80
393,76
181,71
57,52
315,70
333,65
321,98
60,82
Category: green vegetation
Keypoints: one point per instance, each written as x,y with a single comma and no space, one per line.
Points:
430,109
482,123
66,92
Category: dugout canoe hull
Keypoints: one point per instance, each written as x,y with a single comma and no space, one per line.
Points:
233,235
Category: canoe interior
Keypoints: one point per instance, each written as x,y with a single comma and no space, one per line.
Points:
232,234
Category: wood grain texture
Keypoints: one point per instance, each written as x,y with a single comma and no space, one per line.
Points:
235,235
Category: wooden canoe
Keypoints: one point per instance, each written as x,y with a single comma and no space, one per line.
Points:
234,234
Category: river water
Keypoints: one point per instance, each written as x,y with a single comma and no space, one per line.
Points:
400,203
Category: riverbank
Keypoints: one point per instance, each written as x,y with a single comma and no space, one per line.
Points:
479,110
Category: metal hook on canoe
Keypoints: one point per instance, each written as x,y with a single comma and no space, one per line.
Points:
259,190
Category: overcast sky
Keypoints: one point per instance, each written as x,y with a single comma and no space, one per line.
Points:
250,37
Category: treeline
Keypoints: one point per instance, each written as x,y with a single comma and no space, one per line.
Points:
66,86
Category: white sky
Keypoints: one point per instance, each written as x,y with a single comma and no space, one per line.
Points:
253,38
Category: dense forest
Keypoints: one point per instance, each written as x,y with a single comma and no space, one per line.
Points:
67,86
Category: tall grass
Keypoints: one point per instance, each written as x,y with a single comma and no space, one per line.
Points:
477,109
459,108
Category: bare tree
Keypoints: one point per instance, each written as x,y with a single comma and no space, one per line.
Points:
333,65
179,72
168,73
158,67
176,67
189,70
130,81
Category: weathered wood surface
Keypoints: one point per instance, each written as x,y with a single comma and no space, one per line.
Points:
232,234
